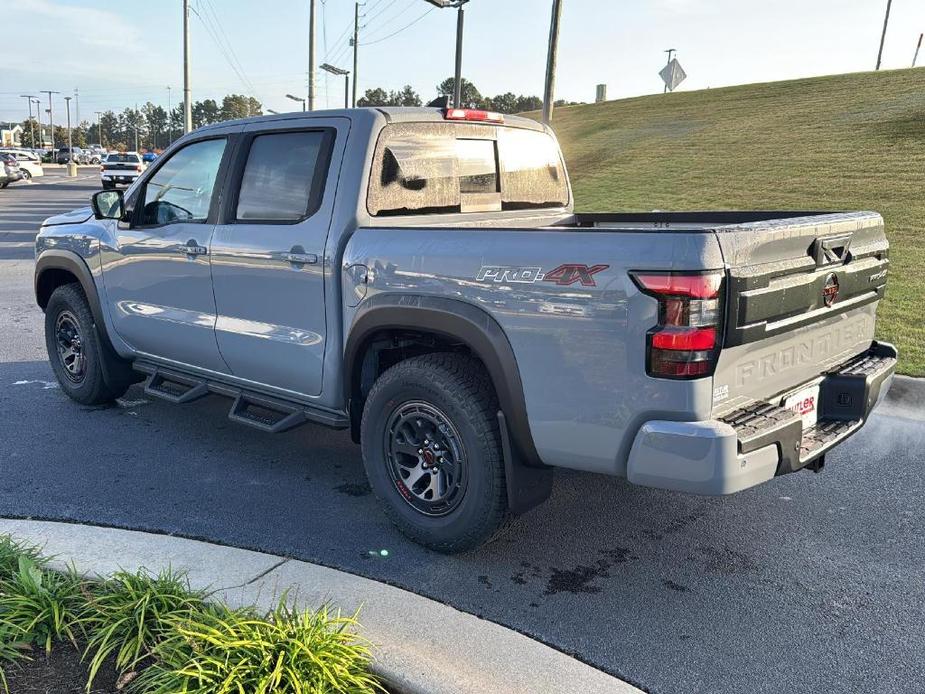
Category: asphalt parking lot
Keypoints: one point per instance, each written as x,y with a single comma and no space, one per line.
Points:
809,583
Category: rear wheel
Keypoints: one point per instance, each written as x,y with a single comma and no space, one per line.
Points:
432,451
26,176
85,366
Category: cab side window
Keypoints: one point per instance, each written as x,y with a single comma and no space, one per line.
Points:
283,177
181,190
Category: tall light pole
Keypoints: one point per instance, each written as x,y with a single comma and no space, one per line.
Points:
30,97
346,74
77,106
311,55
917,48
71,164
549,95
51,114
460,21
169,118
296,98
187,93
99,126
886,20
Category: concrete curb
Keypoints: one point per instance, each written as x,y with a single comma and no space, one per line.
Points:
421,646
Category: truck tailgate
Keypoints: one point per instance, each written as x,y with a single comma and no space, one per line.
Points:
802,297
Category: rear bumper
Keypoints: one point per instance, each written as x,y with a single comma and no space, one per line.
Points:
762,440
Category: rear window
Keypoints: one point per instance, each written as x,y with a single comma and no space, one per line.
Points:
123,159
433,168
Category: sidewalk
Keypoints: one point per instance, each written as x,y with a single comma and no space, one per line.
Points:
421,646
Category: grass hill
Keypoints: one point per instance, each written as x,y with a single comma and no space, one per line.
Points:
842,142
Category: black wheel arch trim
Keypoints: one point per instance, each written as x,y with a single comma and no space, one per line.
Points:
71,262
456,320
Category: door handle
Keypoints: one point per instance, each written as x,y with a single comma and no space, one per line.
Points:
193,249
301,258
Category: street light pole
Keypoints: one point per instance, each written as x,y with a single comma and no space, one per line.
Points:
169,114
71,164
917,48
296,98
327,67
51,114
886,20
99,126
30,97
549,95
187,92
460,22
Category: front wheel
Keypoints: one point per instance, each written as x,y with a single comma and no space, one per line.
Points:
432,451
26,176
85,366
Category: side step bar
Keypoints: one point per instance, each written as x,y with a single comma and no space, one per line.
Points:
263,412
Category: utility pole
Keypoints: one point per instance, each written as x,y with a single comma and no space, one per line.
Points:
77,106
99,127
51,114
311,55
916,56
169,120
187,94
135,119
886,20
356,48
30,97
549,94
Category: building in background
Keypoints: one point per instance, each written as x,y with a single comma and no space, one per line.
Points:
601,93
10,134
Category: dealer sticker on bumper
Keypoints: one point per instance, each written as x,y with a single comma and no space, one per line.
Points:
805,403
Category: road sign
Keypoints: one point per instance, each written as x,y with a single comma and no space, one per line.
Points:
672,74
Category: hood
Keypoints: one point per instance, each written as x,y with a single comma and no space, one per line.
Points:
73,217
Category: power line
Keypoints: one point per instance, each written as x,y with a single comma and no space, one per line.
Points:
396,33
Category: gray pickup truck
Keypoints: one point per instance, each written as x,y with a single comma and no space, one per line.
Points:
419,277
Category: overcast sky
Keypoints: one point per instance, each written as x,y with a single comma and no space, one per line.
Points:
120,53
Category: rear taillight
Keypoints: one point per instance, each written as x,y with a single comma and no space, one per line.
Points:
138,168
102,168
686,341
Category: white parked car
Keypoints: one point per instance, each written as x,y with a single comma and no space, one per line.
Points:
121,168
30,164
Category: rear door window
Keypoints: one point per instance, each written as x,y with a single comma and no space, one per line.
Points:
283,177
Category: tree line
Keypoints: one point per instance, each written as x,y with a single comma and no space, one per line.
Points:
152,127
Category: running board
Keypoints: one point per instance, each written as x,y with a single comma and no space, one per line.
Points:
174,387
264,412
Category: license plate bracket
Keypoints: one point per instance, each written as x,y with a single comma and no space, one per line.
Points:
805,402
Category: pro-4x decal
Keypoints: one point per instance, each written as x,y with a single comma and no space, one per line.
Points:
565,275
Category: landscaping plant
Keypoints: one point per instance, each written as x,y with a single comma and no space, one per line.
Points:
130,613
222,651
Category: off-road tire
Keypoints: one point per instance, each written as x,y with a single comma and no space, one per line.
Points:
457,386
105,376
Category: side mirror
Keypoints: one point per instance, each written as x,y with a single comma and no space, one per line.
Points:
108,204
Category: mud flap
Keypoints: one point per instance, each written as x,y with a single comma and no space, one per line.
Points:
527,487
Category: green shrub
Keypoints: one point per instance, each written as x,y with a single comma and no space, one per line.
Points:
128,615
10,552
220,651
38,606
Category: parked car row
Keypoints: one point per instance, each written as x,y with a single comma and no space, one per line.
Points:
78,156
30,163
10,171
